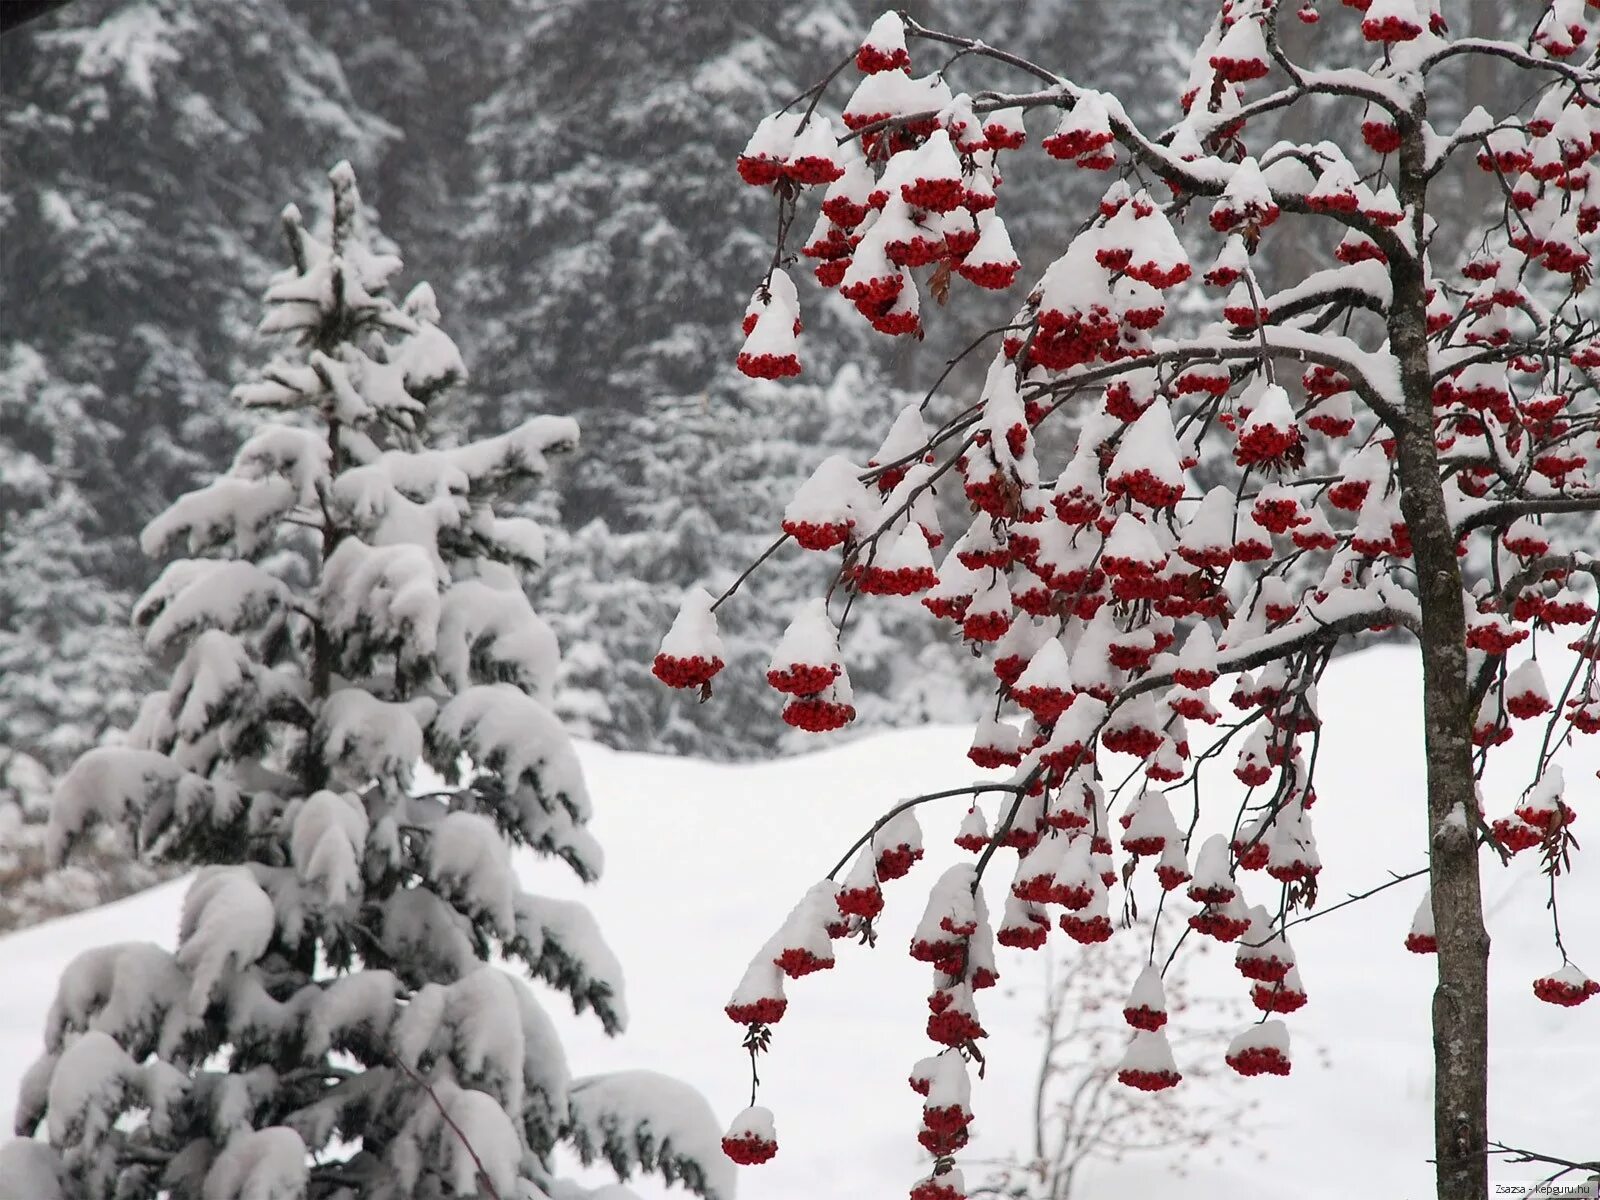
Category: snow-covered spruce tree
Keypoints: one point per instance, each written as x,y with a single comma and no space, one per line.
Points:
1453,366
67,661
331,1023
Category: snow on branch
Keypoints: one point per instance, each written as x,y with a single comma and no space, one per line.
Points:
138,791
561,944
642,1121
195,594
516,457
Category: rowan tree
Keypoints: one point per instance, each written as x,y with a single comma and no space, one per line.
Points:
1388,444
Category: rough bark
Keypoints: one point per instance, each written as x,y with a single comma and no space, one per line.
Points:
1460,1000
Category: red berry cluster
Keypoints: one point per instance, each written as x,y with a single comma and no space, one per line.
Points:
691,672
1259,1060
749,1149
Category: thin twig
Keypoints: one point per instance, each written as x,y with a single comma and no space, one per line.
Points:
749,571
976,789
1351,898
1526,1156
484,1181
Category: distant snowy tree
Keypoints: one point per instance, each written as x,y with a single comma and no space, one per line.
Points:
592,251
68,663
422,69
333,1022
70,668
147,145
1082,1119
1388,436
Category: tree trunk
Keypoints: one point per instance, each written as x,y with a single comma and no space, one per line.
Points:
1461,999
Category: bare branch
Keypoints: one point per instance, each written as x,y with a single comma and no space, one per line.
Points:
1503,512
1519,56
1518,1155
976,789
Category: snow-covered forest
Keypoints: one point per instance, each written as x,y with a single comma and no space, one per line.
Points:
147,149
432,434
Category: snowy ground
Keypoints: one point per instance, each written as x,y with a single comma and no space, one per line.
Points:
704,861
